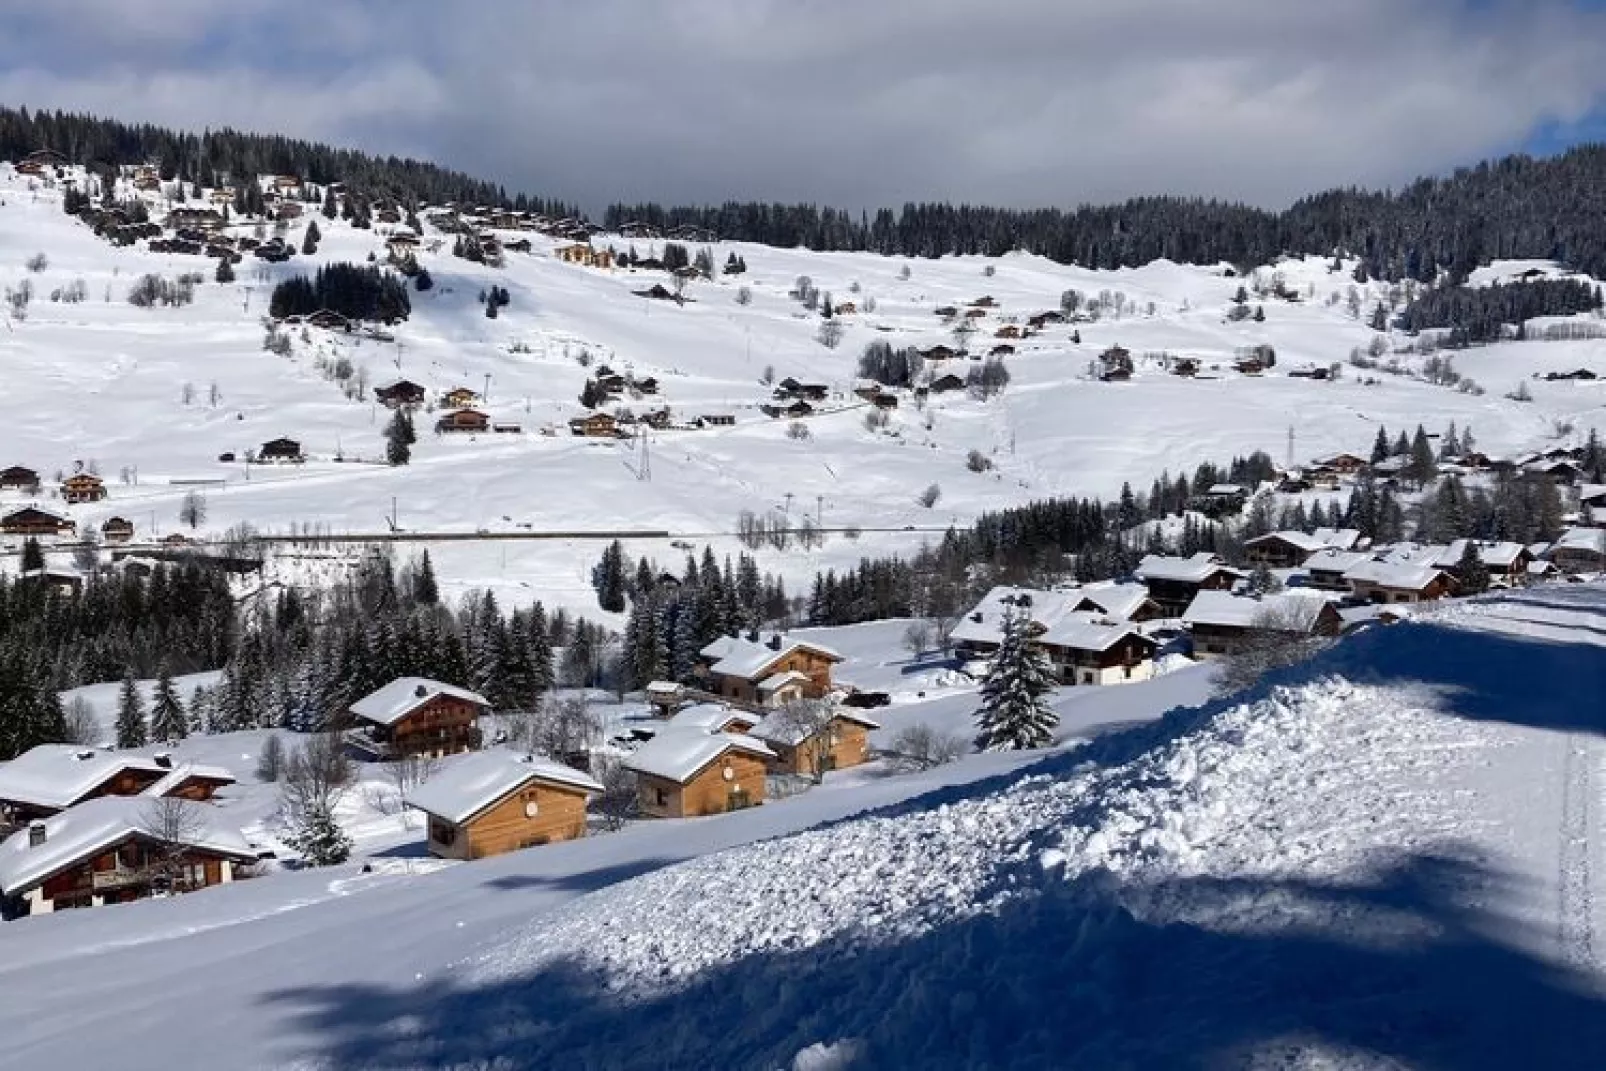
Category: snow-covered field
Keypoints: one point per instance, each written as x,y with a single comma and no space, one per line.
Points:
102,381
1390,857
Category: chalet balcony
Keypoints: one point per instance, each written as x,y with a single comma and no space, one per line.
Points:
119,878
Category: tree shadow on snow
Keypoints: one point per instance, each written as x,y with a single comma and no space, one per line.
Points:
584,881
1400,969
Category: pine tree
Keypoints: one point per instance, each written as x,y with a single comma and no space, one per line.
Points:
168,720
1423,465
1469,570
319,839
225,270
32,556
1402,446
1013,715
608,578
131,730
399,437
1380,446
310,240
426,591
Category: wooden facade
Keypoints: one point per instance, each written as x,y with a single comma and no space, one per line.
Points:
537,812
814,665
117,530
595,426
732,782
1442,586
460,398
17,478
281,450
464,420
401,393
442,725
1222,639
131,870
1129,661
83,487
1174,596
33,521
849,745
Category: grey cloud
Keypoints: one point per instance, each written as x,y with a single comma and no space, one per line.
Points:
1019,101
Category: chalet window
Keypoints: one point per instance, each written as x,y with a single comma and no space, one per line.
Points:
442,832
660,797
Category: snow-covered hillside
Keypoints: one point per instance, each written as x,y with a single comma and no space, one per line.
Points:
103,381
1390,857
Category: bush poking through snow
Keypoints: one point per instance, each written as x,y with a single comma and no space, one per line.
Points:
37,263
976,461
799,431
920,747
928,498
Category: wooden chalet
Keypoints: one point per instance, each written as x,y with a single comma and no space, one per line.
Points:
1084,644
83,487
1185,366
584,255
50,778
1506,562
1343,464
940,353
1039,320
280,451
1007,331
767,672
986,301
946,383
689,772
1222,623
497,801
1397,581
462,421
794,388
885,401
1173,582
1325,570
846,308
403,393
329,320
33,521
645,385
117,530
1580,550
795,410
460,398
17,478
112,851
1004,350
1115,364
596,426
288,210
716,420
60,579
416,716
812,750
1288,550
658,292
202,219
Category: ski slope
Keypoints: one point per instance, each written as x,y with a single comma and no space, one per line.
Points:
1389,857
102,382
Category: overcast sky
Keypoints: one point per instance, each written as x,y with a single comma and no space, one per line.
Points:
1018,102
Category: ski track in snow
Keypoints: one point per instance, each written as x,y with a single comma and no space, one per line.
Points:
1577,939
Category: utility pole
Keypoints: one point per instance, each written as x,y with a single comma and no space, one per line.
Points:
1290,446
485,395
644,469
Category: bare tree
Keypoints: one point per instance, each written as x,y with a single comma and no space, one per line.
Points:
82,725
270,760
917,637
316,778
37,263
403,775
809,723
920,747
193,510
620,801
829,334
1278,638
173,824
928,498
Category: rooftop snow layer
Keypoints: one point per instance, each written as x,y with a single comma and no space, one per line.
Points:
403,695
1298,609
59,775
469,784
677,753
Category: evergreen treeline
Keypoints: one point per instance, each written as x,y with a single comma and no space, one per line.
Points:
674,616
1481,313
1519,206
357,292
209,159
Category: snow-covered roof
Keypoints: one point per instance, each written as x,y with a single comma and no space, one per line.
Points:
1586,539
677,753
1591,492
1501,555
84,831
739,657
181,774
1082,631
59,775
1193,570
778,728
985,621
469,784
1338,538
1402,575
1300,609
403,695
1117,600
1227,489
1336,561
707,717
775,682
663,688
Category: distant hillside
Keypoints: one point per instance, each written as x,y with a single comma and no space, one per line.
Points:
1516,207
206,158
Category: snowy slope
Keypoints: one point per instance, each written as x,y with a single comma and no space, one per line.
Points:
1391,857
102,381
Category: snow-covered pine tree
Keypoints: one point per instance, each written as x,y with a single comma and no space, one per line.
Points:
169,721
319,839
1013,715
131,730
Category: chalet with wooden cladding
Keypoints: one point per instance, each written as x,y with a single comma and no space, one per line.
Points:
946,384
61,579
1007,331
1115,364
1400,581
402,246
40,162
50,778
329,320
280,451
687,773
202,219
416,716
1580,550
766,672
1326,569
1085,647
716,420
31,520
940,353
1506,562
1173,582
596,426
1222,623
17,478
1287,550
498,801
715,718
810,750
1185,366
1117,601
83,487
110,851
460,398
462,421
403,393
584,255
1037,321
794,388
